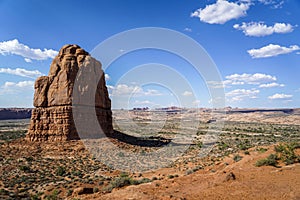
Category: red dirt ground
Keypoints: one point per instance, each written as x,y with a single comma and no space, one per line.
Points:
212,183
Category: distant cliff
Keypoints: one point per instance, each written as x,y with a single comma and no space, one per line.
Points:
251,110
15,113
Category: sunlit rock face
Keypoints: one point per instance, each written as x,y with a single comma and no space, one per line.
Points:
60,93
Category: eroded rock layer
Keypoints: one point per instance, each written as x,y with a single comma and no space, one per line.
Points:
74,91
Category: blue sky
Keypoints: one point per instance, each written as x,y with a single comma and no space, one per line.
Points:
255,45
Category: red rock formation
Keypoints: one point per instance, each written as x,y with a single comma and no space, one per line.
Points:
75,80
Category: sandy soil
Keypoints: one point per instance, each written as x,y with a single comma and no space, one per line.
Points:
216,182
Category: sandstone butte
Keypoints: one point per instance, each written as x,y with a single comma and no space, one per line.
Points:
52,118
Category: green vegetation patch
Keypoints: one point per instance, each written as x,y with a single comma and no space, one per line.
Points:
124,180
284,152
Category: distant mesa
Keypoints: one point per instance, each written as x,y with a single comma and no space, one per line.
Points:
284,110
52,118
167,110
15,113
140,109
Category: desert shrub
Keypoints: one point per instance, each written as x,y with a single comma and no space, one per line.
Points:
170,176
296,145
144,180
286,153
143,152
279,148
222,146
200,144
140,181
124,181
24,168
237,158
244,145
117,183
261,150
77,173
247,153
124,174
190,171
35,197
29,159
90,181
60,171
95,190
69,192
100,183
271,160
53,196
4,192
121,154
197,168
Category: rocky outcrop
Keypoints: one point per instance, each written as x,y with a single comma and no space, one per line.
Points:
75,82
15,113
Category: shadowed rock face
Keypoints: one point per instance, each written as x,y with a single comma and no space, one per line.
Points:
52,117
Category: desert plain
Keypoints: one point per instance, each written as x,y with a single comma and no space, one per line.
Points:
229,154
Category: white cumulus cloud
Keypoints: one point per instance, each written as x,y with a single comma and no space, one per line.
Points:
20,84
241,94
187,93
127,90
259,29
250,79
123,90
17,48
216,84
107,77
221,11
264,80
272,50
16,87
188,30
280,96
270,85
22,72
27,60
274,3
